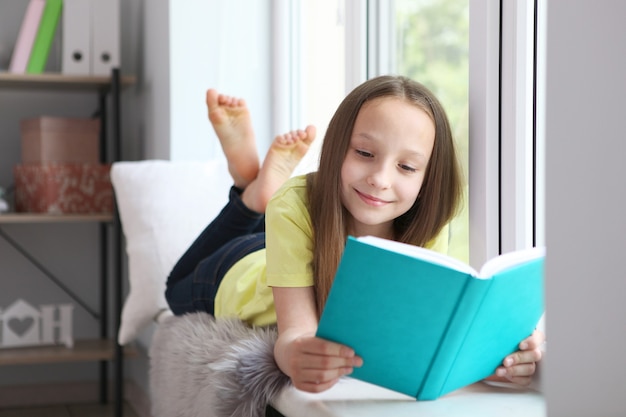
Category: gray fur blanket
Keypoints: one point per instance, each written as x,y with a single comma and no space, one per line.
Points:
200,366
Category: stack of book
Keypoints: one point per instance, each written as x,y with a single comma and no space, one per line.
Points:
35,38
90,33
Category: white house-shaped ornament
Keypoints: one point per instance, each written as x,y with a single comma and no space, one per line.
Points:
24,325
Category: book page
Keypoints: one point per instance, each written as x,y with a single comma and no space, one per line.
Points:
419,252
511,259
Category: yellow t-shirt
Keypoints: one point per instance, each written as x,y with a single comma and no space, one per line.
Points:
245,292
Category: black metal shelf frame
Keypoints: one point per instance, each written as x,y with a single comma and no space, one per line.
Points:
110,258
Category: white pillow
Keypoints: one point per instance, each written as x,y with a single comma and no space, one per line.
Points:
163,206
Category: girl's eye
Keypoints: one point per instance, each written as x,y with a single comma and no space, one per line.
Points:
407,168
364,153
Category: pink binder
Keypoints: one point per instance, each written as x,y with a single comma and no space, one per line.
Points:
26,36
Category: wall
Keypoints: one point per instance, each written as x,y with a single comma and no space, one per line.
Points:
585,208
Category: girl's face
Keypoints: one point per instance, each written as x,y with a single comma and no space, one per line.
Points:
384,168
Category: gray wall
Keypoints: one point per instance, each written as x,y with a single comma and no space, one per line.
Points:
586,208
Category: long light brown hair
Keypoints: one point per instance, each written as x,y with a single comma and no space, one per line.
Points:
436,204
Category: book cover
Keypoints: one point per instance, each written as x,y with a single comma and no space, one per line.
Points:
45,35
426,324
26,36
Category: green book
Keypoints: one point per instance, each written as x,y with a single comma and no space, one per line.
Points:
45,35
425,323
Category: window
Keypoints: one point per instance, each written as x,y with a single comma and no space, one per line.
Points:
428,41
489,95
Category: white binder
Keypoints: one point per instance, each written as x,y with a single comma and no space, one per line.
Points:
76,23
105,23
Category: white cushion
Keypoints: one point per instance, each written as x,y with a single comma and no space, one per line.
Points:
163,206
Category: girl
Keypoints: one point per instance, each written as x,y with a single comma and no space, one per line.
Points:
387,168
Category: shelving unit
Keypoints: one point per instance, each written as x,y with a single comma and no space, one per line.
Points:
59,82
105,348
10,218
83,350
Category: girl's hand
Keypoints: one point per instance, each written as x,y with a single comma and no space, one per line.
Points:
519,367
315,364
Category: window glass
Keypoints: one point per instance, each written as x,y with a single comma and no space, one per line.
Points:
431,43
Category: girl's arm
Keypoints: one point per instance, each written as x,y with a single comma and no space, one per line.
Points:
313,364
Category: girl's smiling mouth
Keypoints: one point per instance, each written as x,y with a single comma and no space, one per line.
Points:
371,200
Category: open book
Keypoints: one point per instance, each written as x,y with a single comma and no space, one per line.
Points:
425,323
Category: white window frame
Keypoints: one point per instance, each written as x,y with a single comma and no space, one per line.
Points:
287,103
502,151
484,104
517,120
540,124
356,43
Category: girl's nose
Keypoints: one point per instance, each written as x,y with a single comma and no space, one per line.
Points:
380,177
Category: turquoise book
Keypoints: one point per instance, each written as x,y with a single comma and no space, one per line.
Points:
427,324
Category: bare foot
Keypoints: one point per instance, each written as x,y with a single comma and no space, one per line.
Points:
231,121
282,158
